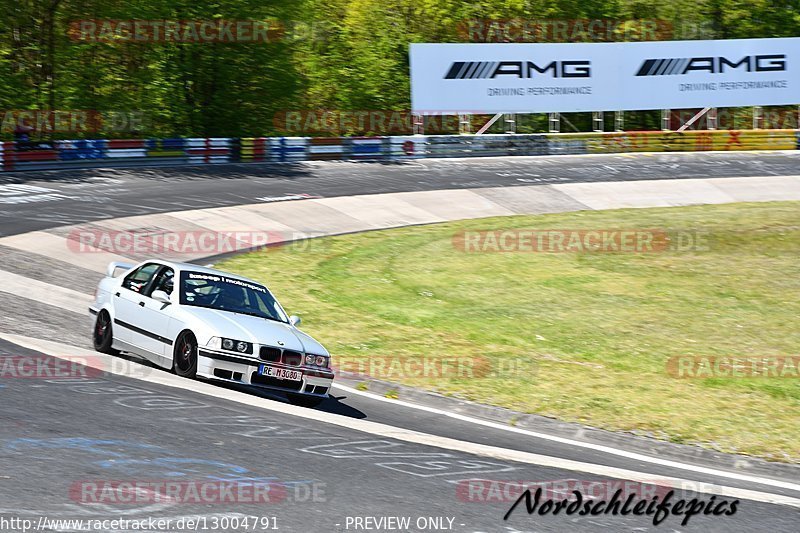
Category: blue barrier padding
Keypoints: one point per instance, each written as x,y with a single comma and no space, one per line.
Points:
173,143
283,150
165,144
82,144
81,149
97,144
83,153
367,148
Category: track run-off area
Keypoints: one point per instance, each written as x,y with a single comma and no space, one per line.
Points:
359,457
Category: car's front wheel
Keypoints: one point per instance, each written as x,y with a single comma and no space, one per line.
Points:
304,401
103,334
184,356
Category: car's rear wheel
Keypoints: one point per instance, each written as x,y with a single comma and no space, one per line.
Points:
184,356
103,334
304,401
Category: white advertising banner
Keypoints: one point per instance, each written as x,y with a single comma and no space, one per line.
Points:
538,78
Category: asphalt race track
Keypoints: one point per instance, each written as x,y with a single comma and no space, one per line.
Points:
355,456
38,200
110,428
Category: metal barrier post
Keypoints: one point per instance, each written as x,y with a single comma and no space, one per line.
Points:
711,119
758,117
417,124
619,120
665,119
510,120
597,121
464,124
554,122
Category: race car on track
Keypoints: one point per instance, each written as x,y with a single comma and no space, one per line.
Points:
207,323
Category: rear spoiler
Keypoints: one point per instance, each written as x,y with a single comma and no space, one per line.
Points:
112,267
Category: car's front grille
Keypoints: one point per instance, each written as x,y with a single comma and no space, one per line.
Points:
268,353
292,358
257,379
277,355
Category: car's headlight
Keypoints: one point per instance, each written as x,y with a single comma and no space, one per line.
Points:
317,360
244,347
231,345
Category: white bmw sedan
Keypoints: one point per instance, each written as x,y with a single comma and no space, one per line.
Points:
204,322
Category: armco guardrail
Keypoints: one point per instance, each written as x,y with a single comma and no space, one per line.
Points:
16,156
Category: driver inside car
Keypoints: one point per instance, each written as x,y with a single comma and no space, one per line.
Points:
166,284
231,298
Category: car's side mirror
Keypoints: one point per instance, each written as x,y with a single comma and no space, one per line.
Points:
294,320
160,296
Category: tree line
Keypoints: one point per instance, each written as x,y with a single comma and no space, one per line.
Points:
166,68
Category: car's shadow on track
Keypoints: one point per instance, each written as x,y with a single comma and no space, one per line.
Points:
332,404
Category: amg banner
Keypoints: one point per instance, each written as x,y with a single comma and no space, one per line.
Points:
537,78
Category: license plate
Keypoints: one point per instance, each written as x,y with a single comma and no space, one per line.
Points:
280,373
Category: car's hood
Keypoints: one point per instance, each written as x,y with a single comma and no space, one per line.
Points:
256,330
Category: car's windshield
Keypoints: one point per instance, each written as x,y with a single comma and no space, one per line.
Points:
217,291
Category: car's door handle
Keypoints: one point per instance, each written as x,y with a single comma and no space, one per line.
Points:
117,294
141,304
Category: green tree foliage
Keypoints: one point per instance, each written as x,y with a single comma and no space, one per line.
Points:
331,54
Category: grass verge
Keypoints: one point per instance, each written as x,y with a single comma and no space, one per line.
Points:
580,336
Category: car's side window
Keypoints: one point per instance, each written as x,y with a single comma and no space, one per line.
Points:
164,281
138,279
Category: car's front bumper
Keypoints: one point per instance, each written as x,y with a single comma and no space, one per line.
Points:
213,364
